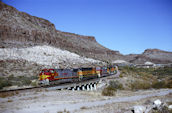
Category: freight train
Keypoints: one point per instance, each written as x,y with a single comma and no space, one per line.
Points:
56,76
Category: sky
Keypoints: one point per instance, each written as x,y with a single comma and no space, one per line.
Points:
129,26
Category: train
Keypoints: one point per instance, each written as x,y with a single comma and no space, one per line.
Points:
57,76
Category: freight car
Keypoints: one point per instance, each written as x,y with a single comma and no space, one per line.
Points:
56,76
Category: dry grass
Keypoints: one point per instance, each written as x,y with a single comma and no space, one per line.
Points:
116,84
143,84
137,84
83,107
8,94
164,109
145,78
162,84
169,103
10,100
109,91
65,111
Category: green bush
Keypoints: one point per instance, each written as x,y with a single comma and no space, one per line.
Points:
108,91
159,84
4,82
116,85
19,81
136,85
26,81
162,84
169,84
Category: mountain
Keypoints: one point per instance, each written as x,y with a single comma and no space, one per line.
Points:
20,31
153,55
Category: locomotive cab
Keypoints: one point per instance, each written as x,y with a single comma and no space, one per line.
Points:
45,76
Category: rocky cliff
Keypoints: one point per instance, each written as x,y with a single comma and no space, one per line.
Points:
19,29
153,55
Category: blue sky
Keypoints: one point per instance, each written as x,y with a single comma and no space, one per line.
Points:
130,26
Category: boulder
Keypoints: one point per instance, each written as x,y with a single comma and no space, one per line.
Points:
170,107
157,103
139,109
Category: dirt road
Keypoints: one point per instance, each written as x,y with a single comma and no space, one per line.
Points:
78,101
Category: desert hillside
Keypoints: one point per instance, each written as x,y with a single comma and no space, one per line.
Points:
152,55
29,44
19,29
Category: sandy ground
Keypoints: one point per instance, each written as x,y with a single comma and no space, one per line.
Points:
55,101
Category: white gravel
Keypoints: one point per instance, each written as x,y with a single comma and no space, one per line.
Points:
44,55
54,101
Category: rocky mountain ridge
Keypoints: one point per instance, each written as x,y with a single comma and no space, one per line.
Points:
153,55
26,30
19,29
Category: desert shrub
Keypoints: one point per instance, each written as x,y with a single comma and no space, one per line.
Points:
7,94
169,84
34,83
162,109
23,80
159,84
65,111
136,85
11,77
26,81
34,77
162,84
116,85
83,107
121,75
163,71
19,81
10,100
4,82
108,91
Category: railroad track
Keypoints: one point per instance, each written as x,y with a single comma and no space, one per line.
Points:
65,85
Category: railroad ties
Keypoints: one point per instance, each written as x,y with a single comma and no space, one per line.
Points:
83,86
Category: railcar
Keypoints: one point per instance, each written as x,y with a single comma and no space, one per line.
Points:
52,76
87,73
112,70
55,76
104,71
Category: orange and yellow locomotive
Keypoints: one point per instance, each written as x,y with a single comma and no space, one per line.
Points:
55,76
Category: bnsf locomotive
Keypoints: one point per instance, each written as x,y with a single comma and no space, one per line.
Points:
55,76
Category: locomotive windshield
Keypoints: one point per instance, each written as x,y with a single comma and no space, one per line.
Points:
52,71
44,71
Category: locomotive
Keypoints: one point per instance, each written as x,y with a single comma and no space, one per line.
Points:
56,76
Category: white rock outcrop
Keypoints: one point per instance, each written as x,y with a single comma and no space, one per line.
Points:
44,55
157,103
120,62
139,109
170,107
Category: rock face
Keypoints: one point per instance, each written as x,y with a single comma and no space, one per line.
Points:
19,29
153,55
